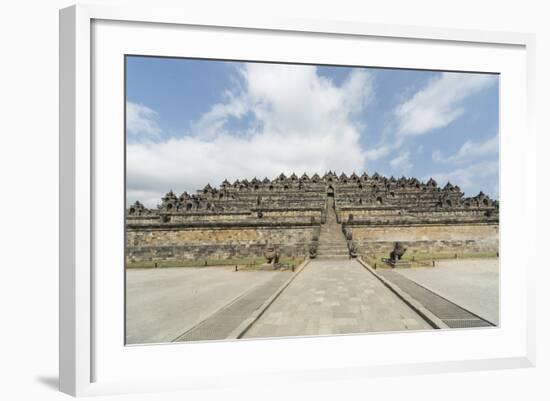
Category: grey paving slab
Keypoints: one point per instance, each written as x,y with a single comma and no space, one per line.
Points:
222,323
161,304
470,283
450,313
335,296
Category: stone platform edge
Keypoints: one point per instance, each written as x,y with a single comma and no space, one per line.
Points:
428,316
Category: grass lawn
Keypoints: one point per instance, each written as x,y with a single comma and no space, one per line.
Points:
246,263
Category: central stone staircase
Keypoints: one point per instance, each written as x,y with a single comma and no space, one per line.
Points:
332,243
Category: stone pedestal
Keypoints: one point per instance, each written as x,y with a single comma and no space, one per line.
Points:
399,263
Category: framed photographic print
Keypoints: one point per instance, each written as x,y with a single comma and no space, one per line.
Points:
269,199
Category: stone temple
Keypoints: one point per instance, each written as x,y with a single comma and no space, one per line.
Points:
319,216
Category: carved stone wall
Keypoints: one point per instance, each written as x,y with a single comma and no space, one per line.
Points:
239,219
216,243
461,238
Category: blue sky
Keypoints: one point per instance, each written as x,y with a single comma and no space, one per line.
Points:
192,122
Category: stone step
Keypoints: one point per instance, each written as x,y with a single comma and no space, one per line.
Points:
333,249
346,256
333,255
333,252
332,243
331,235
342,245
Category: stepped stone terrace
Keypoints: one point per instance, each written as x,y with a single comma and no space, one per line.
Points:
293,214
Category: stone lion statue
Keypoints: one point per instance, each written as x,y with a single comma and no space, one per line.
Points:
313,250
271,254
348,234
398,251
353,251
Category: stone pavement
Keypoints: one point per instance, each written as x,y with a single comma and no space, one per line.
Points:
161,304
470,283
450,313
335,296
221,324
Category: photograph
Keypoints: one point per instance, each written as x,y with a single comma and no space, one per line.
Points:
279,200
275,201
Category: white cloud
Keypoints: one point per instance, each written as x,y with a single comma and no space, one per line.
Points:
471,178
303,122
439,103
469,150
384,148
401,164
141,120
378,152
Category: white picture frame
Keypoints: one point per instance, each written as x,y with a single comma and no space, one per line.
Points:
85,196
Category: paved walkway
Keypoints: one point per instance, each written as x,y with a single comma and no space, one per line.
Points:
161,304
222,323
335,296
470,283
